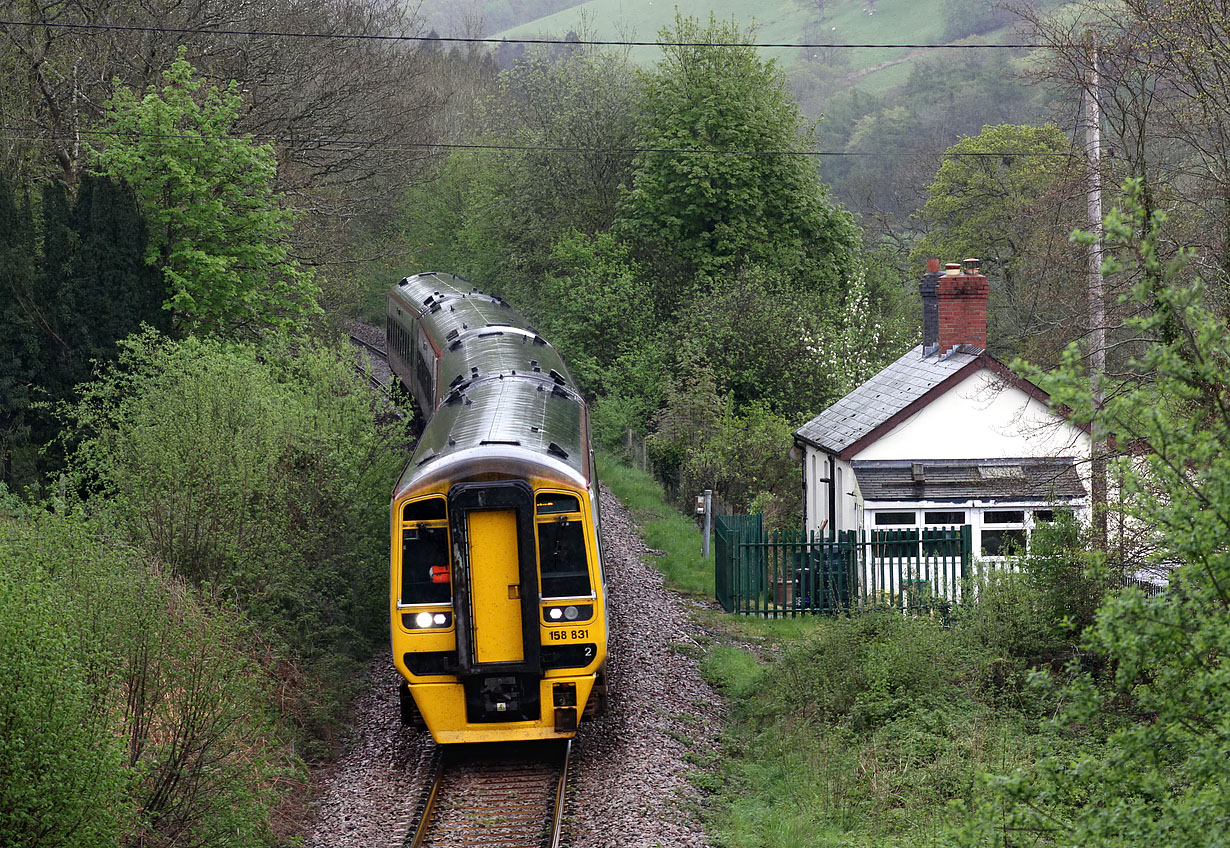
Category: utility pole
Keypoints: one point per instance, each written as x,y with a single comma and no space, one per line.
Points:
1097,294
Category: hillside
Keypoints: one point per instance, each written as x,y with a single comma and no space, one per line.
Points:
776,21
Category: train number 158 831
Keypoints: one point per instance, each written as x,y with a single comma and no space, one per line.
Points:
567,635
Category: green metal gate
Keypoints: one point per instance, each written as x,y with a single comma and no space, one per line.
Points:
786,574
736,576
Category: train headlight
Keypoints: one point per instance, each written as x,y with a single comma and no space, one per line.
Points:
568,613
426,620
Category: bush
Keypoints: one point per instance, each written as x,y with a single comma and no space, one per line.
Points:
863,671
132,712
1035,617
256,473
871,730
61,777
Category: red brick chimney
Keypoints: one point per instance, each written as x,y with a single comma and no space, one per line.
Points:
962,295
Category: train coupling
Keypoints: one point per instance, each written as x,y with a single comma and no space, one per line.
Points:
564,696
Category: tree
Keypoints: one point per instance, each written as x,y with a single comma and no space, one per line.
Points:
114,291
724,179
57,77
1009,196
217,230
497,216
1160,775
17,336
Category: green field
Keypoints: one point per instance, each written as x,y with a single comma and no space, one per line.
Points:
775,21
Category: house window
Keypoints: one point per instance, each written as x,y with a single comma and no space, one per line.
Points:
944,518
895,519
1003,532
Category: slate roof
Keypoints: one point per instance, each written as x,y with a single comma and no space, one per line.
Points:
883,396
961,480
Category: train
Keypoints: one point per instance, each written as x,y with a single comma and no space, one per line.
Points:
497,592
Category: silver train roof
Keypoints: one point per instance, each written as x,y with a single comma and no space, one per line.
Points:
504,390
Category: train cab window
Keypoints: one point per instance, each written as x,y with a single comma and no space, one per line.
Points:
432,509
561,556
425,570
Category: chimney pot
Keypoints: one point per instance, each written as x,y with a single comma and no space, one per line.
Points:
970,266
952,269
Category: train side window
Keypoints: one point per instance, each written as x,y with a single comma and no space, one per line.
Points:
425,565
561,558
423,373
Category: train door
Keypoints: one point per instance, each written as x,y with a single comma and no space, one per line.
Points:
495,586
496,593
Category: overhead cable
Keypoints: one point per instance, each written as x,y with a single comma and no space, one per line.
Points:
453,39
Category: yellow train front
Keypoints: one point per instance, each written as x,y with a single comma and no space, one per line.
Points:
497,594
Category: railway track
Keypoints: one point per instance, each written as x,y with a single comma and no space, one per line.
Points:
496,796
373,348
376,383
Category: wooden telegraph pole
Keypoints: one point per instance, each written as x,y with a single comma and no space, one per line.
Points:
1097,294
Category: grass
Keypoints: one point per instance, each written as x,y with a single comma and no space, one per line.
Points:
665,529
843,731
869,730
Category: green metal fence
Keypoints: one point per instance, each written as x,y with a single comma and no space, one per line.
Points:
787,574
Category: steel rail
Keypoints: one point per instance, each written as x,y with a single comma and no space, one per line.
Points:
379,351
557,821
419,835
379,385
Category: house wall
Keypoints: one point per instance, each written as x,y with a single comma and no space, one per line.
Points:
980,418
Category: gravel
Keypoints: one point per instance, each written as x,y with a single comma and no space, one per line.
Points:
630,784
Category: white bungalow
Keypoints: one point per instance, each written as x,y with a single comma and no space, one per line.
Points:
945,435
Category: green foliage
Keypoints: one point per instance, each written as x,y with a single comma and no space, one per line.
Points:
870,729
701,213
1162,777
1036,616
496,218
132,715
17,336
217,230
230,462
61,772
599,318
67,298
978,200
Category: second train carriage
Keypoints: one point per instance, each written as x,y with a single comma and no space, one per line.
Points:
497,595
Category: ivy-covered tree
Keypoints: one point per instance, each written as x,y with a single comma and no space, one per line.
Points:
113,289
65,300
723,179
16,336
217,230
